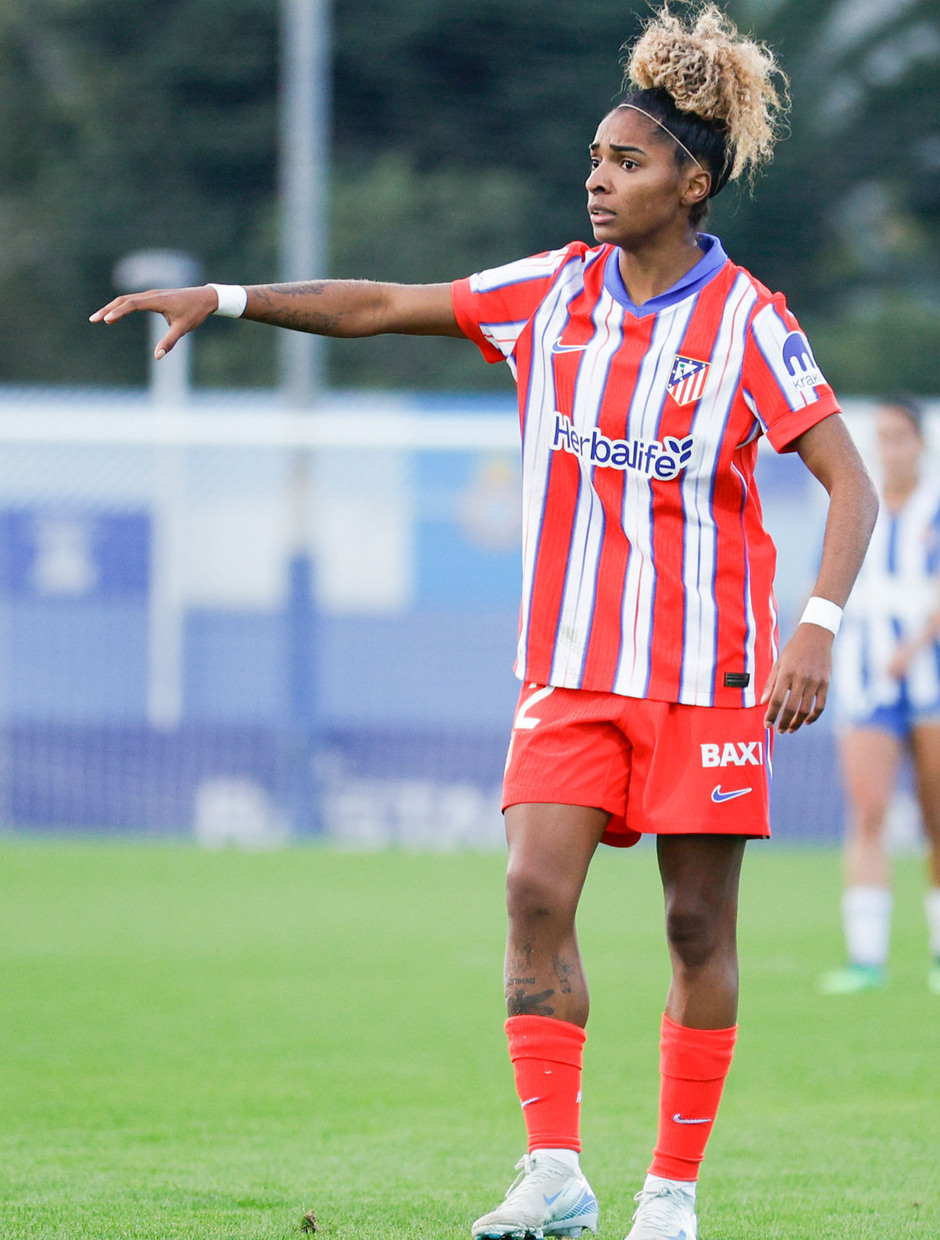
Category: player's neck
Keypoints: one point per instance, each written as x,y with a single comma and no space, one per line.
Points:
897,491
651,268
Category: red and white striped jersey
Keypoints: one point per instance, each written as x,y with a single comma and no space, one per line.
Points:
647,570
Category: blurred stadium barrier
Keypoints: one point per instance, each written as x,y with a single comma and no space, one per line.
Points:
246,624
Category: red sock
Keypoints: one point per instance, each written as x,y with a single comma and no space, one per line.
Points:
693,1064
546,1059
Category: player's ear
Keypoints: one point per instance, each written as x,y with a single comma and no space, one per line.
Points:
697,185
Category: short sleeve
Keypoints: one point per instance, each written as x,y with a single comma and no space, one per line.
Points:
782,382
493,307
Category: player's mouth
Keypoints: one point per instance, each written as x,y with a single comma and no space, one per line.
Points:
600,215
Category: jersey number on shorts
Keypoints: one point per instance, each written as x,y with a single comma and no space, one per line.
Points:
524,720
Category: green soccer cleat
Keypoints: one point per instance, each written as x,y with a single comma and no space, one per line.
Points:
853,979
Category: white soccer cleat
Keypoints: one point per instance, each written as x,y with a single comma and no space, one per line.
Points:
545,1199
666,1211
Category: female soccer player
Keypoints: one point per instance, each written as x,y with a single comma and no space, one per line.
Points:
648,366
888,680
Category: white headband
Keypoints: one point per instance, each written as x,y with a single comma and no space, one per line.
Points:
663,127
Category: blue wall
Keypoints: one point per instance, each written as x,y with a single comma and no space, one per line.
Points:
421,689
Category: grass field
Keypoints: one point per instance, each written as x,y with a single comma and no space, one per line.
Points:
205,1045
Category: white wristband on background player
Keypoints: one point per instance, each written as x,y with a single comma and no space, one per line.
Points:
822,611
232,300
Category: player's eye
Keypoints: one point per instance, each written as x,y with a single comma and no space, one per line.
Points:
628,164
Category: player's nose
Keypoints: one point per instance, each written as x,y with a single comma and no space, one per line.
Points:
597,181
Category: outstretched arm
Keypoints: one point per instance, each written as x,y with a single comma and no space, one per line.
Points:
796,690
324,307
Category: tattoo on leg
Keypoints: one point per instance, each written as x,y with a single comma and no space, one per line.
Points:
563,970
521,1003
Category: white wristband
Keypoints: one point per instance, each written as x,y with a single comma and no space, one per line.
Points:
232,300
822,611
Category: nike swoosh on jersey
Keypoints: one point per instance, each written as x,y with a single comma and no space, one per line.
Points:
558,347
718,796
679,1118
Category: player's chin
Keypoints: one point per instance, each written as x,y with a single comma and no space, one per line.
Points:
603,225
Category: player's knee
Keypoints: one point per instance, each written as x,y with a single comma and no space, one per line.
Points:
533,898
694,932
869,820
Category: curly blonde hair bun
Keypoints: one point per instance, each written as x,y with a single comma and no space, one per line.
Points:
710,70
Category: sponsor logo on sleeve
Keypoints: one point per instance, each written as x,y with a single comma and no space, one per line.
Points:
800,363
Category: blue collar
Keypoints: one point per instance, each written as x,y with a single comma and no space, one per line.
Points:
711,262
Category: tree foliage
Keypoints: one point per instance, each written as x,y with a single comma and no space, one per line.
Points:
126,126
847,220
460,139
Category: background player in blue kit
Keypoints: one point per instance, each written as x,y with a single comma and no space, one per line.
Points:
887,679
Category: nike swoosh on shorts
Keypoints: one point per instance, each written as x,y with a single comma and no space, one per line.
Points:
718,796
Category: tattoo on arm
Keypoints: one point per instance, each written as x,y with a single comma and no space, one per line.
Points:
273,310
304,288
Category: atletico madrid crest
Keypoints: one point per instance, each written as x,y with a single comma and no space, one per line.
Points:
687,381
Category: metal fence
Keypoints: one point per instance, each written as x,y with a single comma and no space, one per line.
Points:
228,619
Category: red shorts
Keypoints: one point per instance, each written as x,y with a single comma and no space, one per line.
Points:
658,768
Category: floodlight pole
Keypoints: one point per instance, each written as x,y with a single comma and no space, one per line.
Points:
304,177
305,95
